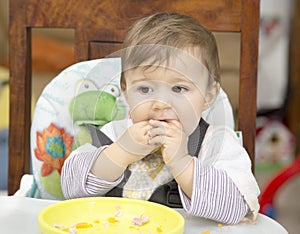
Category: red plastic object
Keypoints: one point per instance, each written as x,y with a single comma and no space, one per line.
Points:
267,196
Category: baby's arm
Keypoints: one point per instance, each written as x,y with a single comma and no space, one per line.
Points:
224,188
214,196
76,179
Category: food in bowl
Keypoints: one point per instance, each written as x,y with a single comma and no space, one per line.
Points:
109,215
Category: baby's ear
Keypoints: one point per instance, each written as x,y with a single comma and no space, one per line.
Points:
211,94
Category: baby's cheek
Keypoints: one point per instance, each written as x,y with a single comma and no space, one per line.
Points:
189,118
138,113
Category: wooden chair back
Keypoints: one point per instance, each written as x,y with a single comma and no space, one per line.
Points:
99,27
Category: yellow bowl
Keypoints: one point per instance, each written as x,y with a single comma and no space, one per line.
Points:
109,215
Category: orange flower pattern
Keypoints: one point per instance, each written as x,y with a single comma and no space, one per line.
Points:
53,147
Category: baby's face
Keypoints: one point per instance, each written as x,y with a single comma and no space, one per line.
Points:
164,94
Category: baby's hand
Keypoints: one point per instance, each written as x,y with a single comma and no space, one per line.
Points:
136,140
173,139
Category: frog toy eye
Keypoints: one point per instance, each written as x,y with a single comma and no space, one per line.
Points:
85,85
111,89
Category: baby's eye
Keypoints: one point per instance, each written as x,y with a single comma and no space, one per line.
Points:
179,89
144,89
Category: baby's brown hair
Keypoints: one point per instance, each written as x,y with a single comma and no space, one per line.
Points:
153,37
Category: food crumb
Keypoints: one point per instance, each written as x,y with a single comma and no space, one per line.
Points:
159,229
112,220
83,225
140,220
118,213
58,226
72,230
220,225
97,221
205,232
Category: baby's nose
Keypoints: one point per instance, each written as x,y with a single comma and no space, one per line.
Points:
160,105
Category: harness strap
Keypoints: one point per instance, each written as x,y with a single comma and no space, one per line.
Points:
196,138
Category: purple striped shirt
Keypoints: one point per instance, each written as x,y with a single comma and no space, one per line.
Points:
214,194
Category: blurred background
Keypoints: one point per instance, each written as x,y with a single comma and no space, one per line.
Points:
278,115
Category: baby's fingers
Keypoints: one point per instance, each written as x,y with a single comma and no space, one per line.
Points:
157,140
157,131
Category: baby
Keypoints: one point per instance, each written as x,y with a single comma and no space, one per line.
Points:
165,152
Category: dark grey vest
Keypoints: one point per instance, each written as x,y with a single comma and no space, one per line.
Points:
166,194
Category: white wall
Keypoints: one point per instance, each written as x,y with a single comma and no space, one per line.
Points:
273,53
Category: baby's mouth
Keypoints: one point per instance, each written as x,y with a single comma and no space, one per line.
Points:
163,120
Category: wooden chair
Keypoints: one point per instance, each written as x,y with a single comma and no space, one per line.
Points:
99,27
